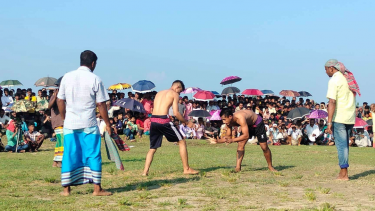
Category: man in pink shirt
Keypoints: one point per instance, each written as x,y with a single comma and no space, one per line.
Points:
147,103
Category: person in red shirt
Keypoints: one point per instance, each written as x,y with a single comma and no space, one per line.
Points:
147,103
140,123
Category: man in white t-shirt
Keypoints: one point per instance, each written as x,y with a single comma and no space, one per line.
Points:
312,131
295,135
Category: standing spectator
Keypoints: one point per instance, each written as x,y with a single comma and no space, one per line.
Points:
189,107
147,103
82,91
341,110
181,107
312,131
147,125
57,126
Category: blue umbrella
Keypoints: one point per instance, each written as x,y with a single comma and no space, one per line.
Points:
304,94
143,86
131,104
267,92
215,92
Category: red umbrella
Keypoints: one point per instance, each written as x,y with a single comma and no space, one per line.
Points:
204,95
253,92
360,123
289,93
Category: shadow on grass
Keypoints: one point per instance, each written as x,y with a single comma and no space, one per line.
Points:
215,168
363,174
154,184
125,160
279,168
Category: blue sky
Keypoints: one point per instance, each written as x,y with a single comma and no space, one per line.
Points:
270,44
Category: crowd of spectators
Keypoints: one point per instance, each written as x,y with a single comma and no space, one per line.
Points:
34,126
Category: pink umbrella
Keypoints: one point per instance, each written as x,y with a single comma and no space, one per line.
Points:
215,115
318,114
253,92
191,90
230,80
204,95
360,123
289,93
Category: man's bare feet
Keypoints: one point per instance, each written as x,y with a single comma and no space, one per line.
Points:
272,169
144,174
191,171
133,140
10,152
22,151
237,170
54,164
102,192
342,178
66,191
59,164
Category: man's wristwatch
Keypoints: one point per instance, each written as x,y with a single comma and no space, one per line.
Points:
329,123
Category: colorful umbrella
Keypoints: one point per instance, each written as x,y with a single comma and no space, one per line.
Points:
267,92
318,114
230,80
298,113
46,81
199,113
304,94
215,93
191,90
120,86
215,115
204,95
131,104
143,86
10,83
289,93
360,123
42,105
230,90
253,92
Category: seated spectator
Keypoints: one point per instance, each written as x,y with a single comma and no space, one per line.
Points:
33,138
312,131
240,107
140,124
131,129
366,116
187,132
46,126
274,134
4,119
295,136
362,138
210,131
200,128
6,99
11,133
119,124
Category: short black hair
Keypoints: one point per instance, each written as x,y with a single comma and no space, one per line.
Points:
182,84
88,57
226,112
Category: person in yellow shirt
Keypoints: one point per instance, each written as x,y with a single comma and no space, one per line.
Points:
29,95
341,114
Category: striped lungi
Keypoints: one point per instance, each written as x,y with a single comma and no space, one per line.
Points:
59,148
82,160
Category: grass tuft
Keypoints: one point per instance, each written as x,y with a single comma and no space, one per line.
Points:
310,196
50,180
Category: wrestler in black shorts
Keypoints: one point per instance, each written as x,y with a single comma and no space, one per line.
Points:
162,126
258,131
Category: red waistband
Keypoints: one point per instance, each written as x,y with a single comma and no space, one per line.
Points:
160,120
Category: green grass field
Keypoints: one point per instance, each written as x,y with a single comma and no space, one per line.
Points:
305,180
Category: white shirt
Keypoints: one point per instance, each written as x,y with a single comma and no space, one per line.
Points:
295,134
312,130
81,89
213,107
186,131
4,119
5,100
